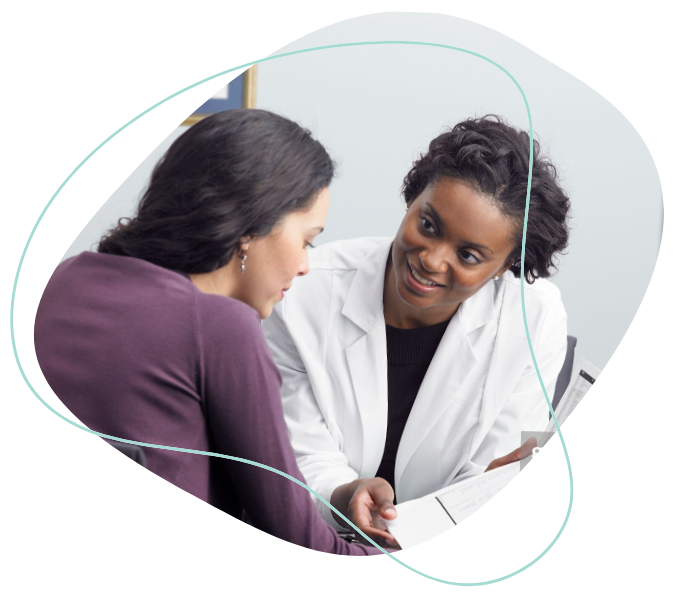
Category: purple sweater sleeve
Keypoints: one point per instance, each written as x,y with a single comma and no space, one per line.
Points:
241,394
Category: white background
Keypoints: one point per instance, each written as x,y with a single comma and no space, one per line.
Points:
376,107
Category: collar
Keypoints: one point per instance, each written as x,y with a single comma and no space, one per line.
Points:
364,300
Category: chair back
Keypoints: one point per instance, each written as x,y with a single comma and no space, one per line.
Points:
564,376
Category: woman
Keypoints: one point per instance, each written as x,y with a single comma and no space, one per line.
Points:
157,338
405,363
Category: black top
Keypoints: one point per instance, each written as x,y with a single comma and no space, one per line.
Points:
409,353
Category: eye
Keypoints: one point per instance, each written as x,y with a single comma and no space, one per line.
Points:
468,257
427,225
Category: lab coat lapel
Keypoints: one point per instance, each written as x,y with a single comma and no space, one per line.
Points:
367,360
450,376
367,355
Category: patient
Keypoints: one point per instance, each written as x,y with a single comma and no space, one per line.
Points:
156,337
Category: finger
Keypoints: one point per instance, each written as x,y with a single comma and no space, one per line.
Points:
360,512
385,544
360,515
382,494
379,535
518,454
526,449
501,461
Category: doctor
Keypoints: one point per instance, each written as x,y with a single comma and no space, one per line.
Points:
405,362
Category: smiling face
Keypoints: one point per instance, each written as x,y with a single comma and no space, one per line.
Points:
452,241
274,260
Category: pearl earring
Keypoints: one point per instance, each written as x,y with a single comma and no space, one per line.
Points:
495,277
243,258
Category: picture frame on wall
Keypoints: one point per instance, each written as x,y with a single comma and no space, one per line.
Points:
238,93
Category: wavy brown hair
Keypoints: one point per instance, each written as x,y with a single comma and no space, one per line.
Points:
233,174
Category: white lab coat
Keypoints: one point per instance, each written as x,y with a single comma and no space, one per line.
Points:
481,390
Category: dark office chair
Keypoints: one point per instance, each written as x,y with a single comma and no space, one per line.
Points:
565,373
132,451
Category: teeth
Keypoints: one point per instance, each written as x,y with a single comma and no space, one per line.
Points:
421,280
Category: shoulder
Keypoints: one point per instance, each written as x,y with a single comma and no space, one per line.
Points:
121,287
543,306
224,318
541,292
343,254
230,338
120,277
168,295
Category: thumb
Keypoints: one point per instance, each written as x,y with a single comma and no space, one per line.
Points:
387,510
383,497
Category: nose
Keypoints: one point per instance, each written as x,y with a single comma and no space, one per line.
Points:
435,259
304,265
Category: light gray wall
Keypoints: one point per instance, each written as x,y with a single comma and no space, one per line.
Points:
376,107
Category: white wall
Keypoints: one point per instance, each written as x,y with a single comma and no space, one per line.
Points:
376,107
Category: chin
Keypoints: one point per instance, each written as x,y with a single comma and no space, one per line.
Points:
265,312
266,308
411,299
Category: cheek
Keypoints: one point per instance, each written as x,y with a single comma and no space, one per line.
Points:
469,281
408,236
292,257
468,286
286,263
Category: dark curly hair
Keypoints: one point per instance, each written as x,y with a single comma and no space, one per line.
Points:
233,174
493,157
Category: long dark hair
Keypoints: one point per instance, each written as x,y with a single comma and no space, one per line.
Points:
233,174
493,156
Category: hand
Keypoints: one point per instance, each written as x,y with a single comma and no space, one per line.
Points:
517,455
366,502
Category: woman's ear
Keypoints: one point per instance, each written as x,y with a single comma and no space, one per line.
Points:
508,264
244,241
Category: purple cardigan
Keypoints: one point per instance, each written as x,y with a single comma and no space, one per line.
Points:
138,352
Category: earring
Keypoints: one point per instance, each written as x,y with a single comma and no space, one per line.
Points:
243,258
495,278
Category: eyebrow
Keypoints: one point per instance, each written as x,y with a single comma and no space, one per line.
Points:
440,223
475,245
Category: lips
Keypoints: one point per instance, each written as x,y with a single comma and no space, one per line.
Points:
421,279
417,287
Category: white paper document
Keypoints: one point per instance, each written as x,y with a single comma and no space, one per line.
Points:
586,374
422,519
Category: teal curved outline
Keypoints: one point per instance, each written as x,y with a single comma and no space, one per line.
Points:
266,467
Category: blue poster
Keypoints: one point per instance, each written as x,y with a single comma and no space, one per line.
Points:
229,97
